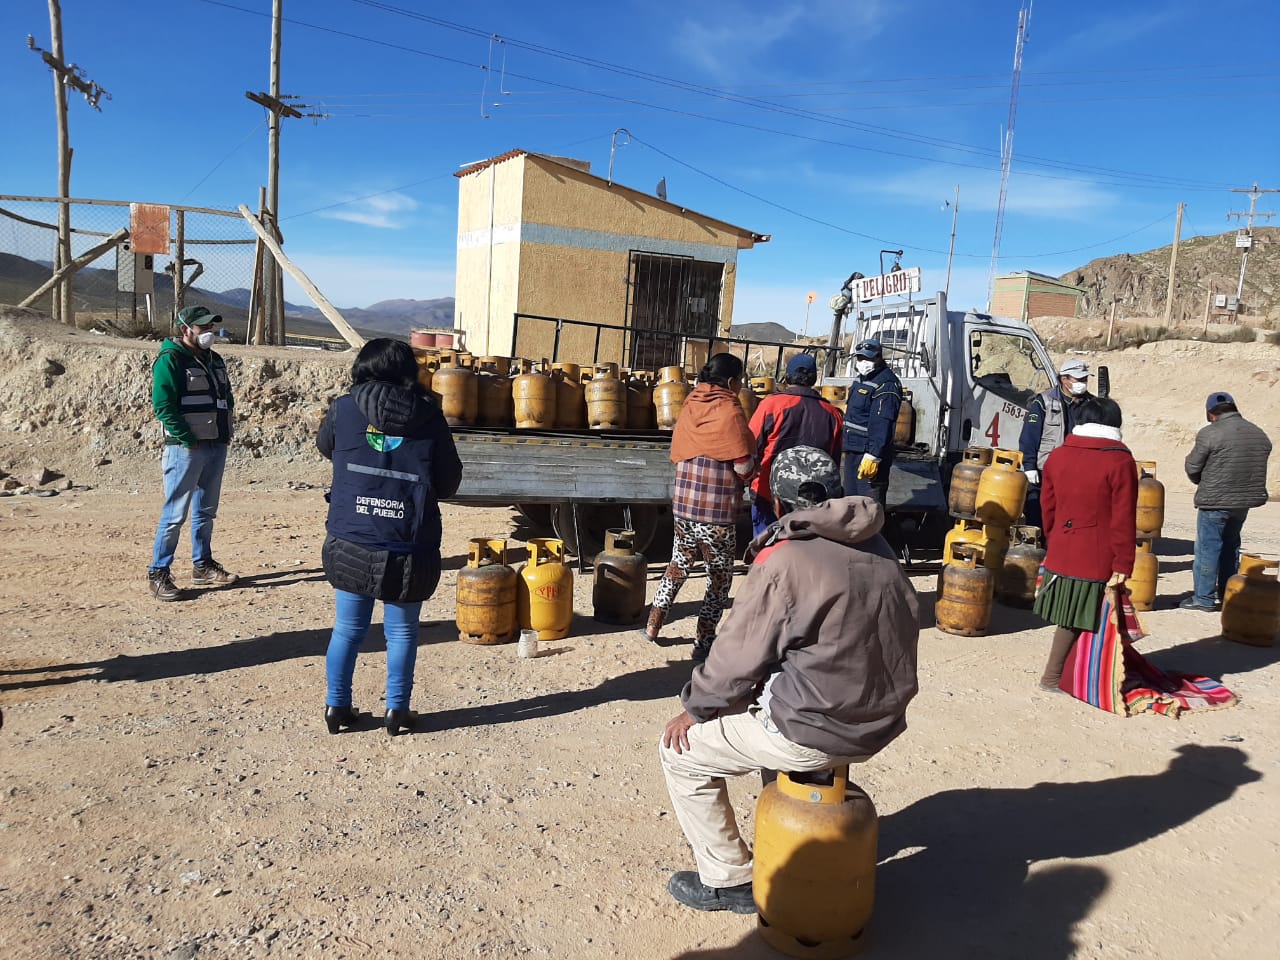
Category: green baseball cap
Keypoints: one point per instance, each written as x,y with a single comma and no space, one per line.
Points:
197,317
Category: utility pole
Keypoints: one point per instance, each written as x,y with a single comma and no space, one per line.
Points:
955,212
64,75
1173,265
1254,194
272,278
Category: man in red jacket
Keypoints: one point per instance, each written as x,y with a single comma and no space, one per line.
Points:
795,417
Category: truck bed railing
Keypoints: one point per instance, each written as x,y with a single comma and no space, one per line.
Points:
644,348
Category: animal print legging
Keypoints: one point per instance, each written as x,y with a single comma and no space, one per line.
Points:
715,544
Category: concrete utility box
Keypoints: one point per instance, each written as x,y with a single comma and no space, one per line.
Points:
135,272
542,236
1027,295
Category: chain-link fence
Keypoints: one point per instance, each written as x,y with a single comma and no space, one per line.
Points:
120,290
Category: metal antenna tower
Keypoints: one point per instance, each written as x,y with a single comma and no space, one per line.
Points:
1006,147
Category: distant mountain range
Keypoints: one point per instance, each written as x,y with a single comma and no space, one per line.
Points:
96,293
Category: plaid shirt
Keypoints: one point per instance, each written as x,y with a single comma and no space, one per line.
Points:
709,491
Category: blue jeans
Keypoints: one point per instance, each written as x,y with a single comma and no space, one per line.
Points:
1217,552
761,516
192,481
350,625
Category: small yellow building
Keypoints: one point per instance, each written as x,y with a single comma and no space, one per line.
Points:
542,238
1027,295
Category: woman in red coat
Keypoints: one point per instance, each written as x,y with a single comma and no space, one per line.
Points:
1089,499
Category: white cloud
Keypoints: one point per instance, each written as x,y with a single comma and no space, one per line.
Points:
384,211
355,280
980,191
1123,30
728,40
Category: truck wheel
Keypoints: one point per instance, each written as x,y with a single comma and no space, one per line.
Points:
538,516
595,518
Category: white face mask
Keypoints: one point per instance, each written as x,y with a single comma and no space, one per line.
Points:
1078,387
864,367
204,340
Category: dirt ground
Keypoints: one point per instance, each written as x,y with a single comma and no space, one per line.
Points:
170,791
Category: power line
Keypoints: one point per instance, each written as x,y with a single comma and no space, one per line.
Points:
759,103
882,240
413,183
247,136
1114,178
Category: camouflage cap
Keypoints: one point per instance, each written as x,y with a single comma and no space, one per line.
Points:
804,477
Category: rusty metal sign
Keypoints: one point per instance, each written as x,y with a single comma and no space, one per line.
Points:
149,228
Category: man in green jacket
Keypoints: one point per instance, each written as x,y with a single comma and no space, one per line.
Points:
191,397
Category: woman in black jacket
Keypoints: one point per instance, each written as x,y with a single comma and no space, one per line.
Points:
393,460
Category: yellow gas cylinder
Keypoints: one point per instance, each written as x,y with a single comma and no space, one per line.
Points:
668,396
964,602
1251,602
454,387
748,400
965,531
533,397
994,541
996,546
494,402
814,871
904,428
571,402
486,595
1016,583
428,362
1146,570
1002,490
835,393
544,596
763,386
962,497
640,413
606,397
1150,500
617,590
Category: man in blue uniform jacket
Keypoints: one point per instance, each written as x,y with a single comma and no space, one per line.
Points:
869,420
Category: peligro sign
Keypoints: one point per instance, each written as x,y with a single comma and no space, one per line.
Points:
893,284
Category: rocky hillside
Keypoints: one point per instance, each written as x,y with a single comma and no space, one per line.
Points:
1138,282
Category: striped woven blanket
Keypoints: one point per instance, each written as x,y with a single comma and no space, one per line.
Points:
1104,670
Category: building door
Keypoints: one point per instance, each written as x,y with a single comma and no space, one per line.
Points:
670,300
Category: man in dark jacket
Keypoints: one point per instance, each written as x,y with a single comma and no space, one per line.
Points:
870,416
1228,465
794,417
1050,420
191,397
813,669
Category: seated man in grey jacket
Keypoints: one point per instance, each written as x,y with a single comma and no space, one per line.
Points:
813,668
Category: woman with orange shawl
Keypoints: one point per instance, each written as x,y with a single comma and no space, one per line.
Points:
714,454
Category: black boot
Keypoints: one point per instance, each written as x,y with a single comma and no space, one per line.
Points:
398,720
338,718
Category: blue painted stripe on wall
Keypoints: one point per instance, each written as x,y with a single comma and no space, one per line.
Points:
622,242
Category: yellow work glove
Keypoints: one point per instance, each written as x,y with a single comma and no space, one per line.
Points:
869,467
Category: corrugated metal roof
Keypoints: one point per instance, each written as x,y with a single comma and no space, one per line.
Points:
609,185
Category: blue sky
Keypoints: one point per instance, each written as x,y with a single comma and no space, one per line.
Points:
838,127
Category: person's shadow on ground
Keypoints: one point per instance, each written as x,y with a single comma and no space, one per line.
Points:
217,658
964,873
967,859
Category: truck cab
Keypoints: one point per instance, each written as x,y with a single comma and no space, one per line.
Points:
971,378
